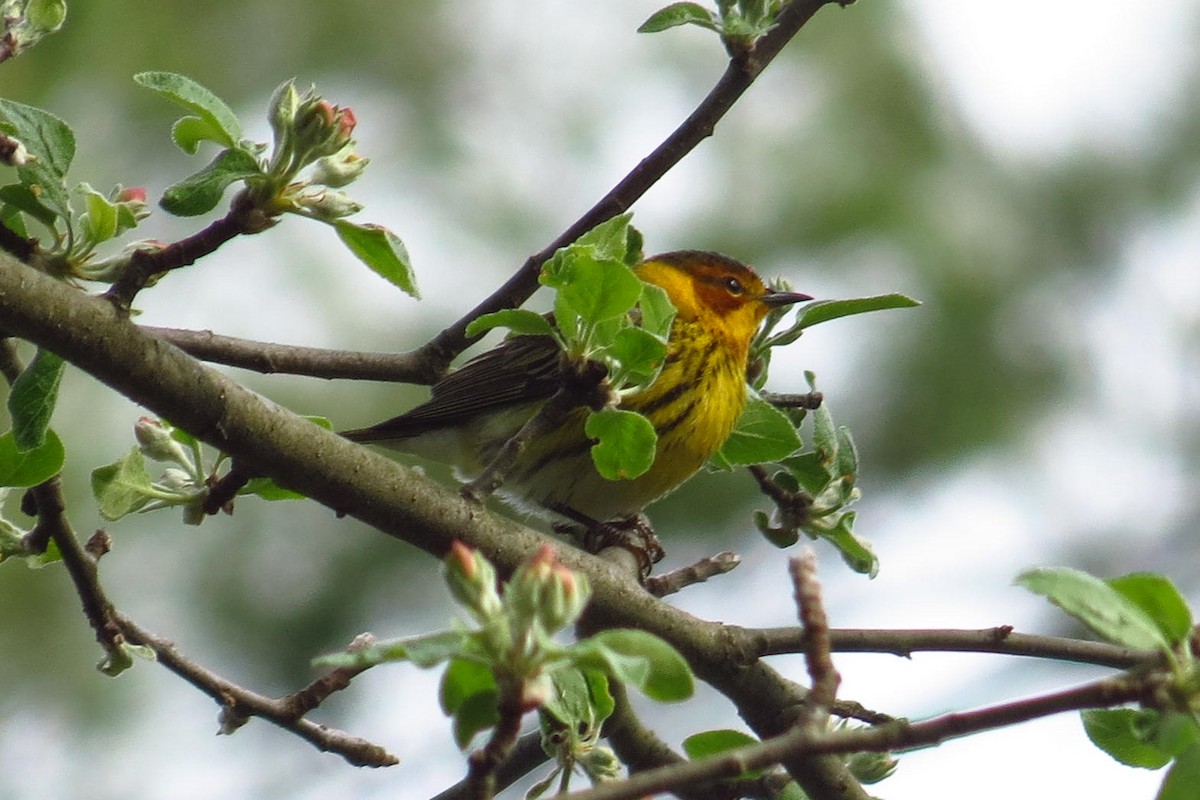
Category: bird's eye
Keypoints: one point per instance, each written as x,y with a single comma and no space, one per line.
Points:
734,286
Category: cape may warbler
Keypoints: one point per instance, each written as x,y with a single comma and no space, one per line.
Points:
693,404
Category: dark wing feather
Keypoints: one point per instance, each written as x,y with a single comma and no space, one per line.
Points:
519,370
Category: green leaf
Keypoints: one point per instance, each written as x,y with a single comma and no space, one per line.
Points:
1161,601
847,455
222,125
598,290
518,320
854,551
1127,735
1143,738
809,472
382,251
678,14
639,658
639,355
763,434
781,536
426,650
626,441
581,701
45,16
29,467
46,137
267,489
657,311
1096,604
123,486
611,240
1183,777
824,310
477,713
51,143
711,743
22,198
32,399
189,132
200,192
99,224
464,679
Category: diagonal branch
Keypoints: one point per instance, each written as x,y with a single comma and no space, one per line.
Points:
238,703
400,502
739,75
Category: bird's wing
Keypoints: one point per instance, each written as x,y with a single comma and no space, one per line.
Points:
519,370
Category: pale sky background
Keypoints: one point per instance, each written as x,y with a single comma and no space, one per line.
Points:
1035,80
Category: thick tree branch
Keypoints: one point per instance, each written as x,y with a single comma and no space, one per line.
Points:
401,502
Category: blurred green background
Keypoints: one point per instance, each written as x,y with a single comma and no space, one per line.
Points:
1032,175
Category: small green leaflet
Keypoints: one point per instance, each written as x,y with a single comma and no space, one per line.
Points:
626,443
29,467
214,120
763,434
382,251
200,192
1098,605
33,397
677,14
518,320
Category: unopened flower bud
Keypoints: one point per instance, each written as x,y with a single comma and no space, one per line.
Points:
155,441
872,767
472,581
13,152
281,112
340,168
546,591
326,204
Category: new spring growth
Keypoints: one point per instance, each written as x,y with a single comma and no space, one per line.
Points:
156,443
472,581
546,594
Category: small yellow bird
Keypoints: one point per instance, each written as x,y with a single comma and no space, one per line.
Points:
693,404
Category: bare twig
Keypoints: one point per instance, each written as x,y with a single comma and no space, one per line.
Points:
899,735
314,362
147,264
526,755
824,676
485,762
1002,639
679,579
239,703
809,400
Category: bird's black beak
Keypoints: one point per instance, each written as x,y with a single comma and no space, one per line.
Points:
774,299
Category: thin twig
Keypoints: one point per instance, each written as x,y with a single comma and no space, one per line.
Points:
808,400
527,754
314,362
239,703
899,735
147,264
679,579
485,762
814,621
1001,639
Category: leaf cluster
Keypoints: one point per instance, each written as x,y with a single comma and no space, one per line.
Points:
1146,612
